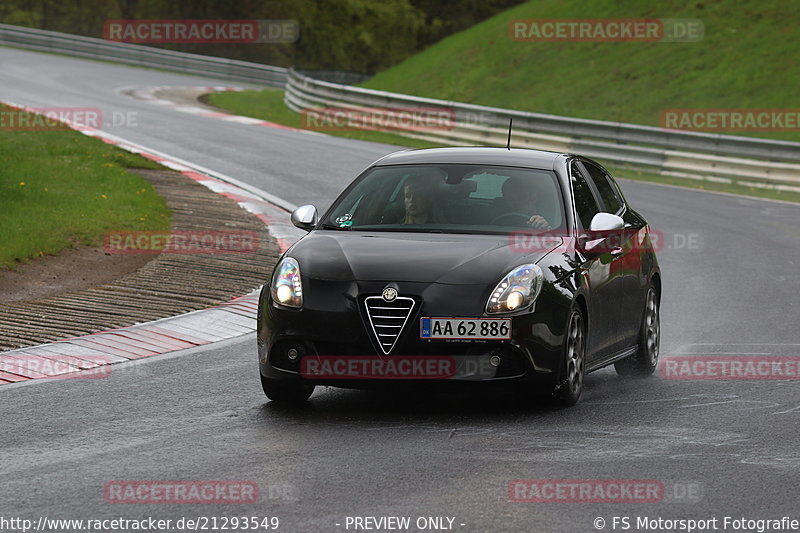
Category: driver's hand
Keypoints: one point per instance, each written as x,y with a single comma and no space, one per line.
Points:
538,222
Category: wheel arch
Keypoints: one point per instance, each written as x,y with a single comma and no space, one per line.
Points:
655,280
580,301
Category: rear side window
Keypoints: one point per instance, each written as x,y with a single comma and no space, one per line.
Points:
608,194
487,186
585,203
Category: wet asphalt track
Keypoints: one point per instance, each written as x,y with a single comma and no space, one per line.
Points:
730,287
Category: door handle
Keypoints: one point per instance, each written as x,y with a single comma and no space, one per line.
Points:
616,252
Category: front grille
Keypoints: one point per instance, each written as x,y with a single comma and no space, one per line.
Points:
387,319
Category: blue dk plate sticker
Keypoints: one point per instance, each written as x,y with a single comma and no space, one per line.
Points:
425,328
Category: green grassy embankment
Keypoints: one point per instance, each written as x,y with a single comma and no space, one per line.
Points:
60,189
747,59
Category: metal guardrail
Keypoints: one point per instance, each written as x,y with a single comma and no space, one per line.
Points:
669,152
132,54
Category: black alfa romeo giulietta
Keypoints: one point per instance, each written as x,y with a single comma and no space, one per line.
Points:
520,269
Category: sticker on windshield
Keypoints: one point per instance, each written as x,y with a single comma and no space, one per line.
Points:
345,220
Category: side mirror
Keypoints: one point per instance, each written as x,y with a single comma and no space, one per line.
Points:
606,222
305,217
602,222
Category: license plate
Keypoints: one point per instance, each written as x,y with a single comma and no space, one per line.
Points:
465,328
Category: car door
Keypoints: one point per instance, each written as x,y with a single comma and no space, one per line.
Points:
626,265
597,270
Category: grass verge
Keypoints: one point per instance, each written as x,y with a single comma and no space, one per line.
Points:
267,104
60,189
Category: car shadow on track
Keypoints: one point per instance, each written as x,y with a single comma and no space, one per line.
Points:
345,404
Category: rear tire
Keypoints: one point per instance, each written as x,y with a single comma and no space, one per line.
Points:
286,392
644,362
569,390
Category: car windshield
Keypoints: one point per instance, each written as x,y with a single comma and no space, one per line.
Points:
449,199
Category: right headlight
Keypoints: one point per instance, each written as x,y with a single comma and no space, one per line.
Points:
287,288
517,290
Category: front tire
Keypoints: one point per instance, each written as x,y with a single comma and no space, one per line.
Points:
286,392
571,386
644,362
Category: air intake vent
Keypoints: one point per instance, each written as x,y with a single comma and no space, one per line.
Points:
388,318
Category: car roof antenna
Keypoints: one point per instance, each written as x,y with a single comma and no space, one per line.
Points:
508,144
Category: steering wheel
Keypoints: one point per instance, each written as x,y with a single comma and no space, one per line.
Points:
511,216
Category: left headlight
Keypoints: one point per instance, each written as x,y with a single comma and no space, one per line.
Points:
286,288
518,289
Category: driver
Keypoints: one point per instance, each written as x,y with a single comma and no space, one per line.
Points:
418,200
519,198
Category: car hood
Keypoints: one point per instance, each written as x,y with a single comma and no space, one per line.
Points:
408,257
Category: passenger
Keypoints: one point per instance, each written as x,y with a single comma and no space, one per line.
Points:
519,199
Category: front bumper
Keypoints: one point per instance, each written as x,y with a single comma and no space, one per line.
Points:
333,326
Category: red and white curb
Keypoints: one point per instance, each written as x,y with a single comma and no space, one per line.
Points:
148,94
91,355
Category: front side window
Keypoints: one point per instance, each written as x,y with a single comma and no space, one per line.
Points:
612,202
585,202
449,199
